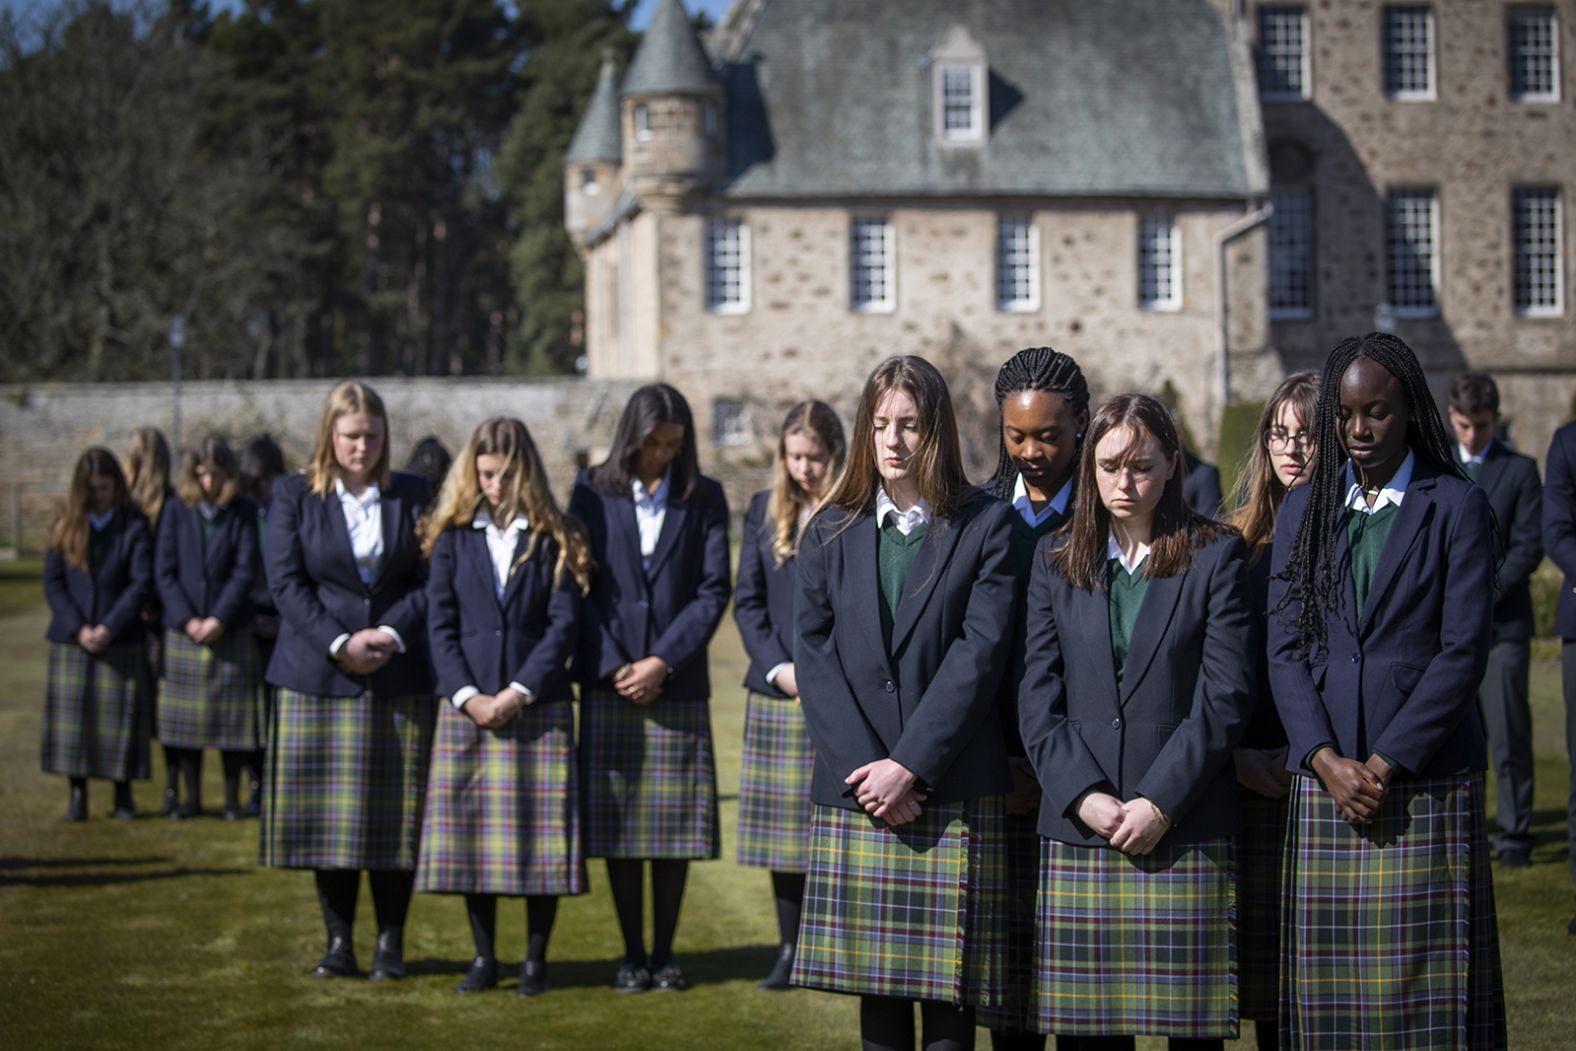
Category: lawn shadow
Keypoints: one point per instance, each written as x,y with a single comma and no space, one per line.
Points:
107,879
9,863
750,962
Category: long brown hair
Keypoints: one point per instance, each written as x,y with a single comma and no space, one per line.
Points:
1259,489
70,534
148,471
213,453
938,462
813,419
525,492
649,408
1177,529
346,399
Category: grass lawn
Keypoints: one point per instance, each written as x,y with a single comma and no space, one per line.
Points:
161,934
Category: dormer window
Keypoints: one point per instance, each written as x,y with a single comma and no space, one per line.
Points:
958,89
588,182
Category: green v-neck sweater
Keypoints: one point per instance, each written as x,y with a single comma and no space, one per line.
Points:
895,554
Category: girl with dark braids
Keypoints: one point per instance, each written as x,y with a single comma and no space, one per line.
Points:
1389,930
1044,402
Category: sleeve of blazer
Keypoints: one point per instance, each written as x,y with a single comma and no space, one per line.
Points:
167,571
557,644
233,598
408,614
1223,698
443,621
1297,699
750,610
1448,686
58,595
287,576
1523,533
1062,762
838,727
139,573
967,683
1559,504
586,505
689,632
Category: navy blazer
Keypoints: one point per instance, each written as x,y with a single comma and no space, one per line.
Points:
1167,730
931,701
113,591
479,640
1516,497
763,599
312,575
1404,682
1201,486
1559,522
1264,730
212,578
671,610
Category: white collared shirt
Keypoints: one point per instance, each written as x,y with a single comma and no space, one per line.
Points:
1465,457
207,510
501,544
98,522
1114,550
906,521
650,510
364,521
1025,509
1392,493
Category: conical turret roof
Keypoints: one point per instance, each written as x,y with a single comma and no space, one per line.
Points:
598,137
670,60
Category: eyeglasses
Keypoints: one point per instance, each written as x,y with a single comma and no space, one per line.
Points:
1278,441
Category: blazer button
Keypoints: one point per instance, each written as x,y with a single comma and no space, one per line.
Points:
1356,658
1116,724
498,632
888,687
644,604
366,602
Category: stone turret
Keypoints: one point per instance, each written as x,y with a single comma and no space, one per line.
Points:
673,112
592,179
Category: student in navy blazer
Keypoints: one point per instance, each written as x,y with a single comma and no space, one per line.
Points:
98,573
148,470
659,537
1559,539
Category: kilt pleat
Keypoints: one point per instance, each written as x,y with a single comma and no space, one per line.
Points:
1260,848
503,808
210,695
1138,945
649,778
1389,935
1013,1007
774,785
97,712
345,780
917,912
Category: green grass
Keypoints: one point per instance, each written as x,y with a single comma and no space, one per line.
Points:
161,934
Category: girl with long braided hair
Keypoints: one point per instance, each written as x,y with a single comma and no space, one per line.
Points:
1380,608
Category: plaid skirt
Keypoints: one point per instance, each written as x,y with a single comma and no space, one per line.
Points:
916,912
209,697
97,717
344,781
1013,1009
649,778
1138,945
1389,934
1259,852
774,786
503,809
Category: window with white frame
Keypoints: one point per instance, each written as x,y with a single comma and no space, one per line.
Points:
1283,52
1534,55
1412,252
642,122
1017,264
1539,277
1159,263
727,266
958,88
870,264
1291,253
730,422
1409,52
959,104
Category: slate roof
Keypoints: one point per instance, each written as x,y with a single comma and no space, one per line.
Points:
599,137
670,59
1150,98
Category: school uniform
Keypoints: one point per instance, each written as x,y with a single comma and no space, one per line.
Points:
204,562
97,707
1201,486
1559,540
902,629
1141,691
774,784
503,809
648,771
347,754
1389,927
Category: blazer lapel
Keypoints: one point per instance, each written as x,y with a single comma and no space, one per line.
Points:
858,543
1092,613
672,526
334,514
1491,473
930,564
1415,508
1154,617
517,571
388,514
217,547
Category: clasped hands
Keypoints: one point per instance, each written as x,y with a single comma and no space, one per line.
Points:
493,712
94,638
1357,788
885,788
204,631
1134,827
366,651
640,682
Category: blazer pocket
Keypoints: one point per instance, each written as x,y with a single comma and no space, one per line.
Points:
1406,677
1163,732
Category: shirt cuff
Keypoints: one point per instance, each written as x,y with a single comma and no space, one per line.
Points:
399,643
1307,760
523,691
463,694
337,645
771,676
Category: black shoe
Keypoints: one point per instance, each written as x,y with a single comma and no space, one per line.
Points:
778,979
388,959
533,978
254,802
632,978
1515,858
338,962
77,806
669,979
482,976
187,810
170,802
125,809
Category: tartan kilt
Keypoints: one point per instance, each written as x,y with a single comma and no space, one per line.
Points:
1259,851
344,780
503,807
1389,935
97,717
1014,1009
916,912
649,778
209,697
774,786
1138,945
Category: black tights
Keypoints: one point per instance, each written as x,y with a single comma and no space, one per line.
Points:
1125,1043
187,764
1267,1033
886,1023
337,890
540,913
626,878
788,889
